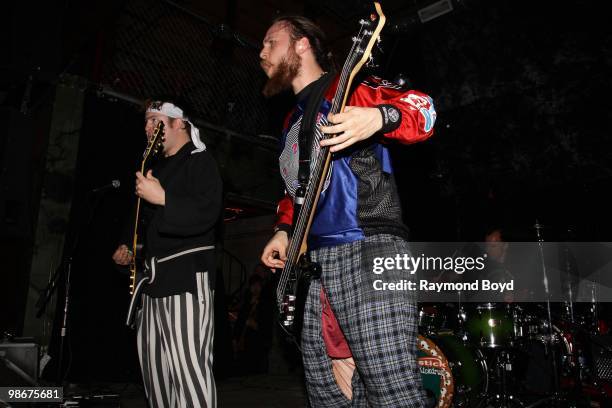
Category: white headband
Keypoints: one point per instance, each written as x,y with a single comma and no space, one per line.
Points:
175,112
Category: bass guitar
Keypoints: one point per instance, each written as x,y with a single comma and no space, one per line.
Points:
295,277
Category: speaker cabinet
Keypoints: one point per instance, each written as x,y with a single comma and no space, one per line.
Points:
19,364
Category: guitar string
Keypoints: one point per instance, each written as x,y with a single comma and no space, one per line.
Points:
320,161
312,187
294,247
150,144
294,244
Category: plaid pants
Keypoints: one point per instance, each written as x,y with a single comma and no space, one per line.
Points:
380,330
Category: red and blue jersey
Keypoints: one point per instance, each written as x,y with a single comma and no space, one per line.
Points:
359,197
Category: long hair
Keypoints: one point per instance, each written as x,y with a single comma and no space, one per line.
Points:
301,27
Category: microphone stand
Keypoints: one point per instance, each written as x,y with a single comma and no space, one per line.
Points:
65,269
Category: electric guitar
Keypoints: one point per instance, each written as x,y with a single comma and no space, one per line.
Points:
295,278
154,146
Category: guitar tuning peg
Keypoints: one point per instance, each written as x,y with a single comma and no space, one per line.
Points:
370,63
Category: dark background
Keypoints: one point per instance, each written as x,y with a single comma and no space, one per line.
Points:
521,91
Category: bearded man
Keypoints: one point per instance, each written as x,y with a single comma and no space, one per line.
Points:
358,350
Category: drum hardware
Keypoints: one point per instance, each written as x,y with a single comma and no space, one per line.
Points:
434,319
571,279
593,312
461,318
430,320
559,342
538,228
501,369
497,379
601,351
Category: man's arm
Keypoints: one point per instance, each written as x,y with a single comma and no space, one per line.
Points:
284,214
275,252
379,106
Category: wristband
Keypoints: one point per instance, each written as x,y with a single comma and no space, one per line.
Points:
282,227
391,116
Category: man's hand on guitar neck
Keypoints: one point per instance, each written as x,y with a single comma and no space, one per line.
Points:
150,189
351,126
123,255
275,253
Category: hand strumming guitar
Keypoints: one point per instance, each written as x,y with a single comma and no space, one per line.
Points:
123,255
275,253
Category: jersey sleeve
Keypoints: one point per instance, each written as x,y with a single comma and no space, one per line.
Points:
414,110
284,214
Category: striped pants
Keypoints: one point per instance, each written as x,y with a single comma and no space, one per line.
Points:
175,344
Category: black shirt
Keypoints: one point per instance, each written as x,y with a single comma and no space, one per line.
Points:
188,220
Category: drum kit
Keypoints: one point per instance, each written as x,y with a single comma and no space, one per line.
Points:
516,354
512,355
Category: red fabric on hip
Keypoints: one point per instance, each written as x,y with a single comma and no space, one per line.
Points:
334,339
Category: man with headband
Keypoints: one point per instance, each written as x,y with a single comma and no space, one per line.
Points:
181,206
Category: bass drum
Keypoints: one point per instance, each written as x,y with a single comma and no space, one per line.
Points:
454,375
541,354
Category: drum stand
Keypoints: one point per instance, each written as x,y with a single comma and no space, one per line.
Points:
460,319
555,398
502,397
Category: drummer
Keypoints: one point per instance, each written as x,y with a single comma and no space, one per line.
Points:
496,248
496,268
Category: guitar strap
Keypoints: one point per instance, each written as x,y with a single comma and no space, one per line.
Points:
306,137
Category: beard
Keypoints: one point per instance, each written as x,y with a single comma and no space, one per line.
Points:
286,71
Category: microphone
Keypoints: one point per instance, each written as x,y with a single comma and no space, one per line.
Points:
112,185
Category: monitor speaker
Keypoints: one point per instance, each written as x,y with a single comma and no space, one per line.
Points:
19,364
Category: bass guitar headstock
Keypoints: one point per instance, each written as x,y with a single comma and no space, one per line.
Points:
367,37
